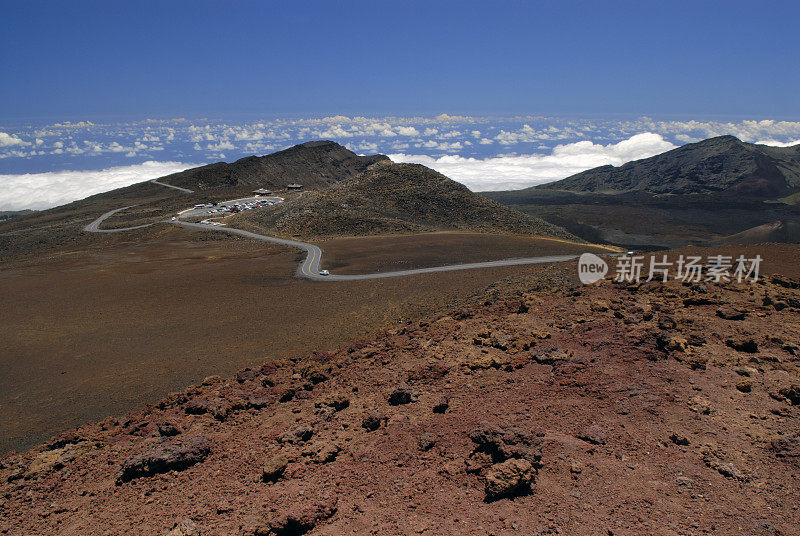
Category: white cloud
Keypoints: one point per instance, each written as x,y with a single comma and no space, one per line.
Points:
222,145
7,140
776,143
46,190
407,131
515,172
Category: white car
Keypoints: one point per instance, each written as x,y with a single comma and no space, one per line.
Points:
324,272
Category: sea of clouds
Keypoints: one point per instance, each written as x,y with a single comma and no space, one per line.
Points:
45,190
47,165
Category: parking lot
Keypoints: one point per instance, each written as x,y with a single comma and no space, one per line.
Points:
213,210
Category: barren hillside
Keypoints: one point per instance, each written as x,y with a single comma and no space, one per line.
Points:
393,198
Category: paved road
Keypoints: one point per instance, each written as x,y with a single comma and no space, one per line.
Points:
94,227
185,190
310,266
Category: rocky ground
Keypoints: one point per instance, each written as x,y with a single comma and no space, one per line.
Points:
614,409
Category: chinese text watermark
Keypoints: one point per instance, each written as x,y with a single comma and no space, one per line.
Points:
686,268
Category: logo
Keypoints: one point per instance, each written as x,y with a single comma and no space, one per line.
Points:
591,268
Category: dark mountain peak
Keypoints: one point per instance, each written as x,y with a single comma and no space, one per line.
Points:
725,138
314,164
721,165
319,143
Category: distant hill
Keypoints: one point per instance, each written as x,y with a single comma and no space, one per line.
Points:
724,165
393,198
717,189
776,232
8,214
316,164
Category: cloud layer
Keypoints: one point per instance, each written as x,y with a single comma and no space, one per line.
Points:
515,172
63,144
46,190
484,153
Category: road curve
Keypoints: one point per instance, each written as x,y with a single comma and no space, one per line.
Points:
310,266
94,227
185,190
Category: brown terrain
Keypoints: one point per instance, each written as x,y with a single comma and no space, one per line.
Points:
540,407
366,254
96,331
94,323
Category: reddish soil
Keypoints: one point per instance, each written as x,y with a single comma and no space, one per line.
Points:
613,409
97,331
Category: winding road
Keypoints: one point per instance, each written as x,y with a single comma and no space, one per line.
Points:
310,266
184,190
94,227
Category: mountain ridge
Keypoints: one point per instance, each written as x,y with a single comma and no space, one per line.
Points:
721,165
314,164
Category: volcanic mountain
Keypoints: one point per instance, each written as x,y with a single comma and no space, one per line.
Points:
393,198
724,165
315,164
709,192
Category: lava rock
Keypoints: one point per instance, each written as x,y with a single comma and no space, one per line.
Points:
503,443
302,519
274,467
187,527
593,434
729,313
425,442
508,478
679,439
371,422
55,460
247,375
743,344
402,394
168,429
297,435
334,402
216,407
313,373
322,451
791,393
287,395
442,405
173,455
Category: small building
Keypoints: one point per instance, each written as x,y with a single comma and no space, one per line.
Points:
294,186
262,191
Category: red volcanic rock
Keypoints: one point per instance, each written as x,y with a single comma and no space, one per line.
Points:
172,455
589,422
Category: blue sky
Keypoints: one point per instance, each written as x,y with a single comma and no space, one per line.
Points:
125,60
